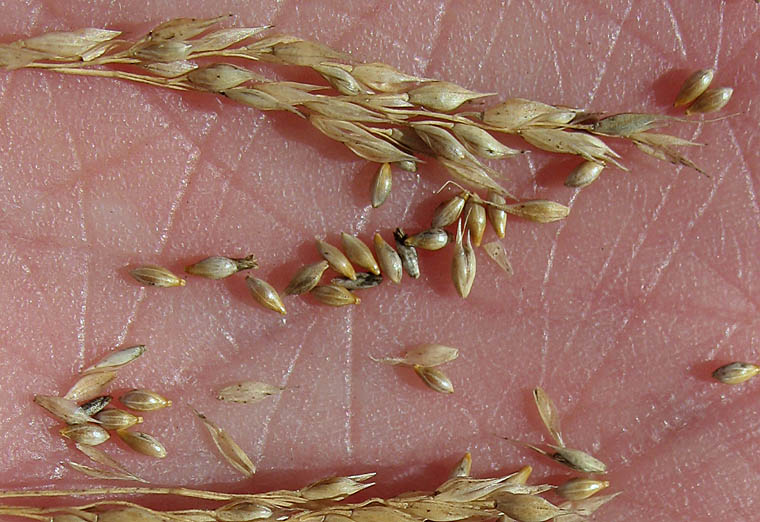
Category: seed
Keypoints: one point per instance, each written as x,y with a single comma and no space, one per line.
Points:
447,212
497,216
408,254
228,448
435,379
247,392
87,434
65,409
587,507
431,239
363,281
89,386
460,268
463,467
388,259
156,276
306,278
219,267
576,460
527,508
580,488
443,143
144,400
101,473
696,84
336,259
382,77
336,488
359,253
183,28
736,372
242,511
476,220
584,174
97,455
539,210
711,100
334,295
481,142
142,443
517,113
407,165
116,419
171,51
264,294
340,78
117,359
129,514
549,414
629,123
381,185
427,355
443,96
469,253
520,477
93,406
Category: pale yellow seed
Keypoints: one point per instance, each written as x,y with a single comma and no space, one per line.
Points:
581,488
549,414
475,221
382,77
448,211
584,174
242,511
87,434
427,355
117,359
517,113
228,448
459,265
527,508
496,215
431,239
224,38
65,409
585,145
388,259
359,253
339,76
736,372
334,295
336,488
463,467
577,460
539,210
381,185
469,253
156,276
336,259
219,267
116,419
247,392
171,51
142,443
711,100
443,96
306,278
183,28
130,514
693,86
443,143
90,386
434,378
264,294
481,142
218,77
144,400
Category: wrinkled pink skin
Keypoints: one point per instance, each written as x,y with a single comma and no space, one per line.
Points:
620,312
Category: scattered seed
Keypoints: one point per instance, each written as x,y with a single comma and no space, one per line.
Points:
97,455
117,359
497,216
498,254
87,434
388,259
584,174
448,211
116,419
90,386
363,281
460,268
65,409
264,294
93,406
219,267
549,414
336,259
476,220
431,239
359,253
381,185
711,100
242,511
696,84
144,400
334,295
463,467
247,392
736,372
576,460
228,448
306,278
156,276
142,443
434,378
527,508
539,210
336,488
580,488
408,254
427,355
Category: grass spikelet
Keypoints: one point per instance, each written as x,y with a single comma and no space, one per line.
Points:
549,414
219,267
64,409
443,96
339,76
87,434
228,448
218,77
336,488
428,355
382,77
481,143
247,392
527,508
539,210
117,359
584,145
581,488
90,386
242,511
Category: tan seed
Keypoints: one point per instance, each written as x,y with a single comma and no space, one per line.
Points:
434,378
339,77
183,28
539,210
476,220
381,185
90,385
171,51
448,211
431,239
520,477
526,508
336,488
142,443
129,514
228,448
549,414
427,355
407,165
388,259
496,215
242,511
218,77
336,259
306,278
459,265
517,113
156,276
736,372
87,434
584,174
382,77
408,254
443,96
577,460
117,359
463,467
481,142
144,400
363,281
219,267
694,86
116,419
711,100
247,392
629,123
334,295
93,406
580,488
264,294
359,253
469,253
65,409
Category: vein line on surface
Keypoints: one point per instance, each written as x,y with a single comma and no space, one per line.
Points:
676,28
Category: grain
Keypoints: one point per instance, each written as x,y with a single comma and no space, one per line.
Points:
64,409
382,77
247,392
359,254
242,511
584,174
498,254
581,488
87,434
527,508
388,259
539,210
496,215
116,419
460,267
587,146
381,185
93,406
336,488
218,77
142,443
264,294
481,142
517,113
574,459
736,372
100,457
153,275
228,448
711,100
475,217
334,295
427,355
463,467
102,474
306,278
431,239
443,96
696,84
520,477
336,259
408,254
90,386
434,378
469,253
117,359
340,77
549,414
219,267
144,400
363,281
448,211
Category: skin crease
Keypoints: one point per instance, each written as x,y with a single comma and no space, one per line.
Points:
620,312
